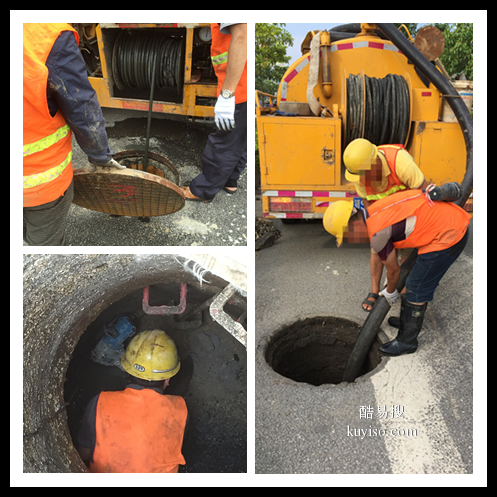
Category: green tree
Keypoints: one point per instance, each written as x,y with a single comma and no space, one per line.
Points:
458,53
271,42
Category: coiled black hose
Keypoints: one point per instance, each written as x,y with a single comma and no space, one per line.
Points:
355,108
385,112
135,54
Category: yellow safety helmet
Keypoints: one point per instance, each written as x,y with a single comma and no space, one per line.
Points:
151,355
336,218
357,157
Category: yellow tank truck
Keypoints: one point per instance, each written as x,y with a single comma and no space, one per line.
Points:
347,86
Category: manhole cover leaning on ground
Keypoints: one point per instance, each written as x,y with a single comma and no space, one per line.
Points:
316,350
133,191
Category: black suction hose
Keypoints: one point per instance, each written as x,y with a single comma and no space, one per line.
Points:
453,98
380,309
150,107
373,322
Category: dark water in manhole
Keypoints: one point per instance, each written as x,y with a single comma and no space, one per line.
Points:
212,379
316,350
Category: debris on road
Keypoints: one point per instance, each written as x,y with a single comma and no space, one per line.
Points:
265,233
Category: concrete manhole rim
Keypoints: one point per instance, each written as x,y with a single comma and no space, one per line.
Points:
266,340
48,425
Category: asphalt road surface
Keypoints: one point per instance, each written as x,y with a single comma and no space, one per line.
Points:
302,428
221,222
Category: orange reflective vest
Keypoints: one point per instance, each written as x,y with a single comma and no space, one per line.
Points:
219,57
47,140
394,184
139,431
438,226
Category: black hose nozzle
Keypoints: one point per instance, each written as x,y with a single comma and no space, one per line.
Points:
450,192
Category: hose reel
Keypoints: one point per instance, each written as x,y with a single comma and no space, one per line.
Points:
135,53
377,109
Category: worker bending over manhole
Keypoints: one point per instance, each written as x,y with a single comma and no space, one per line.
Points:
377,172
408,219
139,429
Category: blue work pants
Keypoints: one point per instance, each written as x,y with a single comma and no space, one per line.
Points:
224,158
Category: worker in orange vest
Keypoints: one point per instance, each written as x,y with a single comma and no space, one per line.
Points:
225,154
377,172
139,429
409,219
57,101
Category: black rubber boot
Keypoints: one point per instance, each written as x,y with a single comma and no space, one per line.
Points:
411,321
394,322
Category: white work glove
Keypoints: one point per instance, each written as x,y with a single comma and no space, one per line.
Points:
391,297
224,113
112,163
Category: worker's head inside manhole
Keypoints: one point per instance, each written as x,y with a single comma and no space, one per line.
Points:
210,373
316,350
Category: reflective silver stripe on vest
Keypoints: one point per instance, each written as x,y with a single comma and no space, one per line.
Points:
220,59
378,196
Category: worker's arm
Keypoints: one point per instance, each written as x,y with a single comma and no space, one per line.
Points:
237,56
408,171
86,439
390,292
393,271
69,90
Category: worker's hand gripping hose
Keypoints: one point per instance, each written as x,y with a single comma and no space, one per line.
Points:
391,297
373,322
450,192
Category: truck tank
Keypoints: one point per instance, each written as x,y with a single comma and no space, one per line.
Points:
348,86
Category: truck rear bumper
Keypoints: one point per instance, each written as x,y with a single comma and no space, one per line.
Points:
302,204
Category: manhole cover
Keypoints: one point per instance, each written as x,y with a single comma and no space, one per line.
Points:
316,350
132,191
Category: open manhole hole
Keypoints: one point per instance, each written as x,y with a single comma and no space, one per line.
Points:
212,377
316,350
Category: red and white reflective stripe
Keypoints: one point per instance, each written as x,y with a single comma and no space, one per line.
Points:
292,75
365,44
334,48
294,215
305,193
136,25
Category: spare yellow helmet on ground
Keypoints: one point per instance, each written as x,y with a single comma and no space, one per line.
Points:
336,218
357,157
151,355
